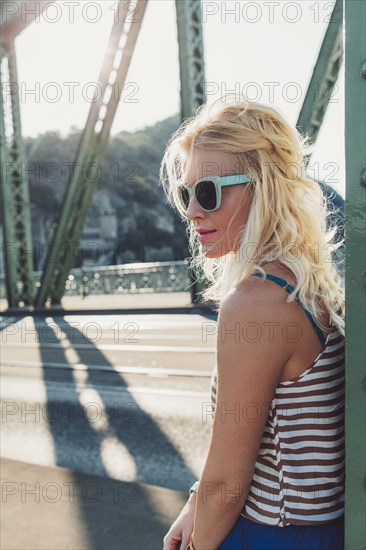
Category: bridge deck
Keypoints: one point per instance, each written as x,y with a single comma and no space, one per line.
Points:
124,515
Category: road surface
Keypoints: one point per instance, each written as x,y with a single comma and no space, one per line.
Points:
120,395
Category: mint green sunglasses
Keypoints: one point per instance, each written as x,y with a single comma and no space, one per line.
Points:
207,190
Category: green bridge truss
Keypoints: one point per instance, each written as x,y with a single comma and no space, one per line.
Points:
346,31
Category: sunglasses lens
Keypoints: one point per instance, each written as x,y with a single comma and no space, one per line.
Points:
184,197
206,194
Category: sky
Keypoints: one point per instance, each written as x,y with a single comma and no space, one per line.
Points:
264,50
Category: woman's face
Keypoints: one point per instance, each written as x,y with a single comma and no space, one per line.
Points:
235,204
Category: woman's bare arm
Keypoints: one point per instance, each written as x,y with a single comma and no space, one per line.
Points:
250,357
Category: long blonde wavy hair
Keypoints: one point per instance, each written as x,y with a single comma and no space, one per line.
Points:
288,214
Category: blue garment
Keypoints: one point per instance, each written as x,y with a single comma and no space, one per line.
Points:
249,535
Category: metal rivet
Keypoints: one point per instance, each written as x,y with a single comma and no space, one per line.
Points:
363,70
363,177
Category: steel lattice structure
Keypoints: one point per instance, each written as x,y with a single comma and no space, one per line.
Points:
94,140
14,187
16,207
324,77
18,249
191,56
69,226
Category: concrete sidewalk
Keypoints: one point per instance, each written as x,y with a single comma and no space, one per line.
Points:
46,508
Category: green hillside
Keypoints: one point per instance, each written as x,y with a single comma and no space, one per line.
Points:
129,205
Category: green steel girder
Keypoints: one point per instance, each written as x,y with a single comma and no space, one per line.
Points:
15,16
18,256
65,240
192,73
191,56
324,77
355,135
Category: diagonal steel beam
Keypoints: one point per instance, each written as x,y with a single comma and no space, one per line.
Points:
65,240
324,77
16,15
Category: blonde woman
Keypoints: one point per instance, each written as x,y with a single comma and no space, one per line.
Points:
274,472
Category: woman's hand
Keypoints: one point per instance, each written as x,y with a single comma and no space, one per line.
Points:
178,535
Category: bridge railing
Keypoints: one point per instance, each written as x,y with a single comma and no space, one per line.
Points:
122,279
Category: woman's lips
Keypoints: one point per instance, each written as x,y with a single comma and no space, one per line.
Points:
203,237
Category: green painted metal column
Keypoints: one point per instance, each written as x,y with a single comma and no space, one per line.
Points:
192,74
191,56
355,136
18,255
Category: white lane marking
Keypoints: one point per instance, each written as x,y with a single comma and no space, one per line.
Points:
126,369
124,334
16,384
118,347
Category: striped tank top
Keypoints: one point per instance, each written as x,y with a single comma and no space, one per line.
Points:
299,471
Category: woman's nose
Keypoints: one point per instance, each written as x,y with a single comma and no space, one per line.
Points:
194,210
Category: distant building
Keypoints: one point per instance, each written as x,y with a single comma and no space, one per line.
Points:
99,236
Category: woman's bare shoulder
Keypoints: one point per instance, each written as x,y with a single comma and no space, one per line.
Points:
255,290
251,321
